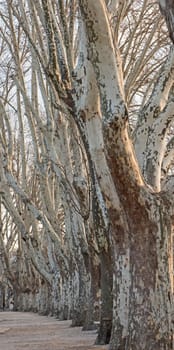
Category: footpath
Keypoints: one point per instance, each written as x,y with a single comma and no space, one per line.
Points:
29,331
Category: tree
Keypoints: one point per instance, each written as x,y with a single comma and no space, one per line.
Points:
96,81
53,201
142,245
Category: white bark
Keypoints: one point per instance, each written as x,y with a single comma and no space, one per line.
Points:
155,148
155,104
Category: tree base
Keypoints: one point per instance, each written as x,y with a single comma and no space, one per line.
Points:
78,319
104,334
90,327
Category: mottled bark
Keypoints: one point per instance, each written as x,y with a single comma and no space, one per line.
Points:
93,299
106,311
143,308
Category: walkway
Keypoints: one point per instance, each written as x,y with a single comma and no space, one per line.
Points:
28,331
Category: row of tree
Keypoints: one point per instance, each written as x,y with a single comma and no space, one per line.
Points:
86,166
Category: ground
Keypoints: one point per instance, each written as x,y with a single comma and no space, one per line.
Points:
29,331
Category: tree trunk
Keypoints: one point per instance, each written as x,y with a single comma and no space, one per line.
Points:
2,297
81,306
105,328
143,296
94,288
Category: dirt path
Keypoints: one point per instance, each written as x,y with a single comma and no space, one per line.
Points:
28,331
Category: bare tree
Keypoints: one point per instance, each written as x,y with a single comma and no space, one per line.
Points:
94,86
